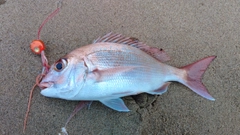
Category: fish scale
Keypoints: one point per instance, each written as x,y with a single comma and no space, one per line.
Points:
119,58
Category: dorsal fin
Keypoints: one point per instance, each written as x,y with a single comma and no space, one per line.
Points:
158,54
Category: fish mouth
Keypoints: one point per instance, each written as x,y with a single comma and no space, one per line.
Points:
45,85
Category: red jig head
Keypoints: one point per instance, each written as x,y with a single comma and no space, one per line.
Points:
37,46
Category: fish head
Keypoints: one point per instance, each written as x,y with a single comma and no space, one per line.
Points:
64,79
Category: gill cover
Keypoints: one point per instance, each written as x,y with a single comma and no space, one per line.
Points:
64,79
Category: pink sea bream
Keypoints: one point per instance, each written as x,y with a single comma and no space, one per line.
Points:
114,66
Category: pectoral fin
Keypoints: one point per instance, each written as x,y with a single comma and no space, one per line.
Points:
108,74
101,73
116,104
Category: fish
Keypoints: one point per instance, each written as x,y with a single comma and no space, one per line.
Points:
115,66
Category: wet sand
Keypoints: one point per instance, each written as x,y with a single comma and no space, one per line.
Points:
186,30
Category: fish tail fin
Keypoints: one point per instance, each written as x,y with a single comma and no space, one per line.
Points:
194,73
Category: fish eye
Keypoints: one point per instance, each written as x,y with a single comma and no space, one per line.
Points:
60,64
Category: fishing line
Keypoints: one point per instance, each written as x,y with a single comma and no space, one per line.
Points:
37,46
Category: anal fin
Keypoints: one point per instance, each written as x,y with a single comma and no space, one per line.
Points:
160,90
116,104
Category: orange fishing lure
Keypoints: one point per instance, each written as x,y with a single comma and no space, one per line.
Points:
37,46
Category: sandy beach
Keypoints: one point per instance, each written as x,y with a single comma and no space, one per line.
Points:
186,30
